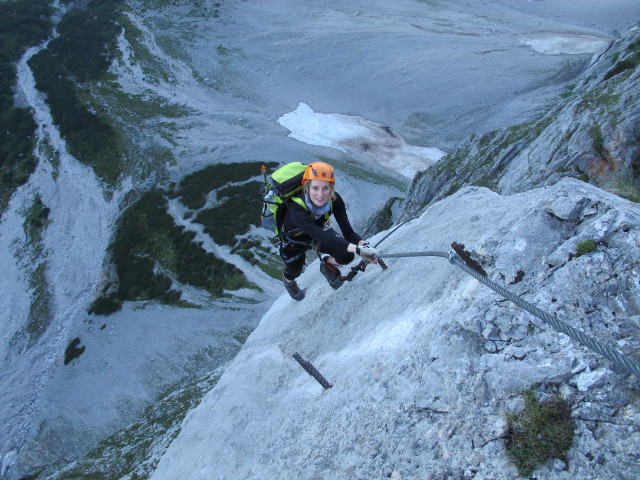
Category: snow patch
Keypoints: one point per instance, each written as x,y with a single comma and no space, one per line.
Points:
356,134
550,43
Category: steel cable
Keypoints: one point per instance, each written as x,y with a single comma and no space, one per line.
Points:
606,351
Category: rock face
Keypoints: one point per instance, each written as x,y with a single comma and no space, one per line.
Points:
593,134
425,360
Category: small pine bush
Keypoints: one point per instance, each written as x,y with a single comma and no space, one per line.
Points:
73,351
541,431
586,246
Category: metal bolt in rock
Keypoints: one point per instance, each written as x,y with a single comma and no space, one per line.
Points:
311,370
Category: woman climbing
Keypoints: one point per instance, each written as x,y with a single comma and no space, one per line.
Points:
309,226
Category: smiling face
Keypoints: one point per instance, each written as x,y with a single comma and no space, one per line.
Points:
319,192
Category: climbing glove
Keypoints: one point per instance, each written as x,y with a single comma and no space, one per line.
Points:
367,252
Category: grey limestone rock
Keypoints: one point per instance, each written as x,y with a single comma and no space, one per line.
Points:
592,134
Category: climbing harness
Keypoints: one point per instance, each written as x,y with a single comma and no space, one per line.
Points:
462,259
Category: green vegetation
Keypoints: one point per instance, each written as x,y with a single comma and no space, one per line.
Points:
141,230
625,187
73,351
36,219
382,220
40,308
567,91
87,40
238,208
541,431
23,24
598,98
73,72
478,166
105,304
489,148
490,182
448,165
253,251
528,131
82,52
623,65
194,188
149,248
598,140
586,246
629,62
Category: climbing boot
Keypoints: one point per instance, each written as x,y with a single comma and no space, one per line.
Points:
331,273
293,289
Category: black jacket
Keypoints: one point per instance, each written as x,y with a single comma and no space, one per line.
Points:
300,225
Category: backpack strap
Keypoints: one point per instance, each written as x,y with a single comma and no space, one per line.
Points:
291,235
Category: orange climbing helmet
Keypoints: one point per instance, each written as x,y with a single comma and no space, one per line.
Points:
318,171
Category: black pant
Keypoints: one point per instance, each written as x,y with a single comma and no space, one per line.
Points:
294,256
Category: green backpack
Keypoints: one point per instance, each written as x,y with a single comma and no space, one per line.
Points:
281,187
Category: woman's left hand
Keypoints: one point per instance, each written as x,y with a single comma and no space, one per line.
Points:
368,253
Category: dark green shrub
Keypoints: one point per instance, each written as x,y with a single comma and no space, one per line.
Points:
87,37
90,138
233,217
598,139
629,63
73,351
82,52
586,246
105,305
23,24
148,243
194,188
